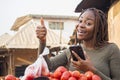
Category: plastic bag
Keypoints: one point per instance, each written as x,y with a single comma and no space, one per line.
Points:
36,69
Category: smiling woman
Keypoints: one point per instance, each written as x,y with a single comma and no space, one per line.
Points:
101,56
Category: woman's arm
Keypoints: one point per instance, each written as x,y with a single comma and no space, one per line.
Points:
114,64
59,60
41,46
41,33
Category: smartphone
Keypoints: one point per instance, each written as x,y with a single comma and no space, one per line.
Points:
77,49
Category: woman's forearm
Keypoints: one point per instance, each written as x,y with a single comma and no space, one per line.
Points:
104,77
41,46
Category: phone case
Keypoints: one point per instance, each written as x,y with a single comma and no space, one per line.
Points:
77,49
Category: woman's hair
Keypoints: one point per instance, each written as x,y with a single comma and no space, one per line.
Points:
100,34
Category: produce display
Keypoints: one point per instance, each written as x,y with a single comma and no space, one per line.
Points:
61,73
11,77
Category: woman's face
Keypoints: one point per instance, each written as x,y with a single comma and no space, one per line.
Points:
86,26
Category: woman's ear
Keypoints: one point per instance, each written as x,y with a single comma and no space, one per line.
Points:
76,26
76,39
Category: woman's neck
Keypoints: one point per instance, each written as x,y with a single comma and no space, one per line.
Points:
88,45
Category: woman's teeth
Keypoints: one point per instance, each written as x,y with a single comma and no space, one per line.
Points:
81,32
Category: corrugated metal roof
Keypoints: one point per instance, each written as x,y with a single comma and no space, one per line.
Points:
64,17
22,20
26,38
4,38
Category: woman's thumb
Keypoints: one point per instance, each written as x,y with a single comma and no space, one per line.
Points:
42,22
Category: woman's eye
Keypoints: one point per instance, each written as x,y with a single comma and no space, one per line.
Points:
88,24
80,21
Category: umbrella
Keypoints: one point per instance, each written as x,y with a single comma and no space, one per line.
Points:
100,4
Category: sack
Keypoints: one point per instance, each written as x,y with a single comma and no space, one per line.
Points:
35,70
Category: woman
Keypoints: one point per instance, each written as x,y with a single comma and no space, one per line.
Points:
102,57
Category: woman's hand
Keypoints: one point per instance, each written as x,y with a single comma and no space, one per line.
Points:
41,31
81,64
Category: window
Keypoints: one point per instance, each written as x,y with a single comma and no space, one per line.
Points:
56,25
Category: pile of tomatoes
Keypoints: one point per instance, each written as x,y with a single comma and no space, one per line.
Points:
61,73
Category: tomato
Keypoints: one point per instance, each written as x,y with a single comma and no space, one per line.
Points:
65,75
75,74
17,78
54,79
29,77
89,75
61,69
51,75
96,77
10,77
82,77
70,72
72,78
57,74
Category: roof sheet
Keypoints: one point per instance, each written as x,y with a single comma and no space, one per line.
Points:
4,38
26,38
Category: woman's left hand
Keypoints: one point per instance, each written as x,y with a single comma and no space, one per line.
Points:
81,64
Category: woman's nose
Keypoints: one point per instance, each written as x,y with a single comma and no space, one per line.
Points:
82,25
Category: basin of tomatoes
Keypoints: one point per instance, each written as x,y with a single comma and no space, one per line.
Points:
61,73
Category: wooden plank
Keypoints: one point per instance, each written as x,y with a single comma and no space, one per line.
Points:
23,60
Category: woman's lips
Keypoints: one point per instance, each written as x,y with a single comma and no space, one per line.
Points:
81,32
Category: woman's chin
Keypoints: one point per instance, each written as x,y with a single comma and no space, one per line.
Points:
80,38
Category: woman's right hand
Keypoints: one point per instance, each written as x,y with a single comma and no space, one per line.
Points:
84,65
41,31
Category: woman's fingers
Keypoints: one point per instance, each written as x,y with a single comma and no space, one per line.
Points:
41,33
80,60
76,55
41,30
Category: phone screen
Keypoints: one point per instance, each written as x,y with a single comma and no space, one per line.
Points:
77,49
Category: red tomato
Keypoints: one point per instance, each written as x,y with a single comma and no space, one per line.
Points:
70,72
96,77
76,74
29,77
17,78
82,77
65,75
10,77
61,69
51,75
54,79
57,74
89,75
72,78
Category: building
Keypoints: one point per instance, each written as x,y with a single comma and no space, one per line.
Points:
22,47
61,25
113,22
